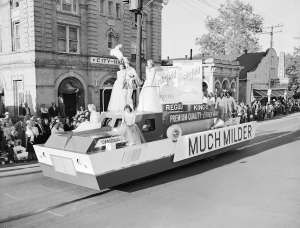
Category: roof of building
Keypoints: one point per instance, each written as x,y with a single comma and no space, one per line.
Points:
249,61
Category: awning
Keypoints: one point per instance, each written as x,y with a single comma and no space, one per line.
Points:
260,93
275,93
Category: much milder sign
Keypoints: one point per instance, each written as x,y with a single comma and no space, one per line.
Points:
192,145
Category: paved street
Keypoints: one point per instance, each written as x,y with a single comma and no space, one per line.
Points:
255,186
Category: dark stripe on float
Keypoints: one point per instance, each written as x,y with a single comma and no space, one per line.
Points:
28,214
7,170
21,174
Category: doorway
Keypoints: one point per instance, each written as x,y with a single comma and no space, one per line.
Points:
70,104
106,96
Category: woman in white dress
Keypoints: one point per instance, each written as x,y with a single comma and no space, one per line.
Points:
149,97
94,122
131,82
118,96
129,130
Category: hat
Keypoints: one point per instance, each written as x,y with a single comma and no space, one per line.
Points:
7,113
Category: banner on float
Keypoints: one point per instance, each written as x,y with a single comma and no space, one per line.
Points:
180,117
180,83
193,145
184,108
190,82
167,80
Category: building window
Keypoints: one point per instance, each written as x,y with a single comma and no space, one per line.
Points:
133,45
110,4
110,40
15,4
67,5
0,38
102,6
144,43
16,36
68,39
118,10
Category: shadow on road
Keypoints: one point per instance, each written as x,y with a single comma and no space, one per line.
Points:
196,168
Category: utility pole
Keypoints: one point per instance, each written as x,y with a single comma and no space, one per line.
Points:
138,51
271,46
138,8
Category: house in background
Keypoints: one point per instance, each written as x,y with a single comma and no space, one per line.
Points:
256,70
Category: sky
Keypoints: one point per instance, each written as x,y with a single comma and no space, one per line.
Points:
184,20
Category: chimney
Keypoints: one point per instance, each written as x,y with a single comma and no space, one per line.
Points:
246,51
168,57
186,56
191,54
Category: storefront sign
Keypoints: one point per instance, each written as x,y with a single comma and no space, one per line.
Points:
180,117
105,61
281,66
193,145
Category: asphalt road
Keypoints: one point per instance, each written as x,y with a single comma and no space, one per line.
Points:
255,186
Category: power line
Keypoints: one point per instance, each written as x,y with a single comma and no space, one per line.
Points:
170,37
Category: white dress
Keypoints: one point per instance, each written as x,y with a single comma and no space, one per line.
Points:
94,123
117,100
149,97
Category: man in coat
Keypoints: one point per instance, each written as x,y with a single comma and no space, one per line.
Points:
20,129
26,113
53,110
40,138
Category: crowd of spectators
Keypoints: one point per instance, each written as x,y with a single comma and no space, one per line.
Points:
20,137
258,111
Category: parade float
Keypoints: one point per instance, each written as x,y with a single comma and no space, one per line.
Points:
187,130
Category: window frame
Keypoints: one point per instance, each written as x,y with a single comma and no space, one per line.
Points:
110,35
72,6
118,12
15,36
110,7
0,38
102,8
68,39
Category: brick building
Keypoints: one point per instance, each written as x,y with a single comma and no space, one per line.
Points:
61,48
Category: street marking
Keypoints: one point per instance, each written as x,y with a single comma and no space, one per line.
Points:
53,213
46,188
267,140
13,197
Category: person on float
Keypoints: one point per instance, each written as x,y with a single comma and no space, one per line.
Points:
221,105
94,123
149,100
232,106
118,95
211,101
128,129
131,81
